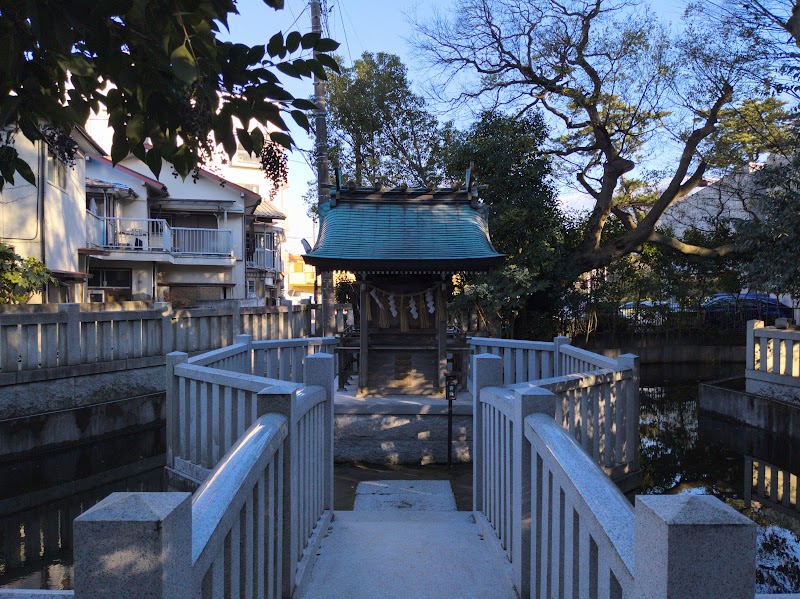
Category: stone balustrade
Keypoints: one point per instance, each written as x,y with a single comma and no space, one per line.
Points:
213,397
773,361
253,527
568,531
599,395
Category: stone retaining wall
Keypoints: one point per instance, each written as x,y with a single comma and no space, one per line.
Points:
777,416
400,431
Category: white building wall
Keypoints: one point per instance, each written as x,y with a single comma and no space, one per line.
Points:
56,214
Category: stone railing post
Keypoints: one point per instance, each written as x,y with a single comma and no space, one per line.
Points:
73,332
533,400
248,359
167,332
339,318
281,399
750,358
630,395
135,544
319,370
692,547
173,398
236,320
557,343
487,371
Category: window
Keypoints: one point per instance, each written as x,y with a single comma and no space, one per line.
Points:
100,205
114,284
254,187
118,278
56,172
243,158
251,289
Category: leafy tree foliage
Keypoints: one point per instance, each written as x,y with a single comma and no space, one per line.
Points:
380,132
160,70
524,220
20,277
627,96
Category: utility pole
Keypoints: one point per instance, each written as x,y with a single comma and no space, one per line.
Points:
328,317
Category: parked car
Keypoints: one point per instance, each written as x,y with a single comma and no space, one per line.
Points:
743,307
647,307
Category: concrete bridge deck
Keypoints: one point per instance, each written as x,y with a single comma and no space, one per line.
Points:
405,540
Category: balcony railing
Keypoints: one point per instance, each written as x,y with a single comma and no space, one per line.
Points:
151,234
155,235
263,259
204,242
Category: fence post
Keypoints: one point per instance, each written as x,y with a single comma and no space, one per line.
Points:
527,402
167,333
73,340
173,402
750,358
281,399
487,371
319,370
236,320
135,543
248,361
630,393
693,547
557,343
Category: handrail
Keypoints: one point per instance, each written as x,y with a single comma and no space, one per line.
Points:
592,495
511,343
225,490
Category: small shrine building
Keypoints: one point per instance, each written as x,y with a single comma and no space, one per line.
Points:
403,245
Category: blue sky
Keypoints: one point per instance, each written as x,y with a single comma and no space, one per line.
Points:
359,25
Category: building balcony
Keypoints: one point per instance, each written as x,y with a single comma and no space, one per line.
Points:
155,235
202,242
263,259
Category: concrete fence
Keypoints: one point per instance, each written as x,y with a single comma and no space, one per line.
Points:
772,361
69,339
567,530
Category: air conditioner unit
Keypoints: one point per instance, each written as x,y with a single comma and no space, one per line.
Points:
269,281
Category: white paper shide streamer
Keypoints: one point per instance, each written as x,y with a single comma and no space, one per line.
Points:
430,302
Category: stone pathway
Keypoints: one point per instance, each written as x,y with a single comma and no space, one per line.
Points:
404,540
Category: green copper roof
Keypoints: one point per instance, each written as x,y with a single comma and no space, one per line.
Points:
389,232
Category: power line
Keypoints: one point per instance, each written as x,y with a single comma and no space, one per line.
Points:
296,18
355,31
346,40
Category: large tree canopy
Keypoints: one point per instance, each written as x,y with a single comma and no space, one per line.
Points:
380,131
625,93
161,71
524,221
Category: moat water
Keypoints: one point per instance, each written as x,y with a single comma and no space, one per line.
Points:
681,452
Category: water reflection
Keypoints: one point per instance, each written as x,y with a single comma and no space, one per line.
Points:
39,499
681,449
753,471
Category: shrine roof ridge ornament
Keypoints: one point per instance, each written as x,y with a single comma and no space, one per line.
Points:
459,192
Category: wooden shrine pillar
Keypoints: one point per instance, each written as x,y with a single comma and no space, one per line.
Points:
441,333
364,339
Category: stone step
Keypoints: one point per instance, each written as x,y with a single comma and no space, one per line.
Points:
405,495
